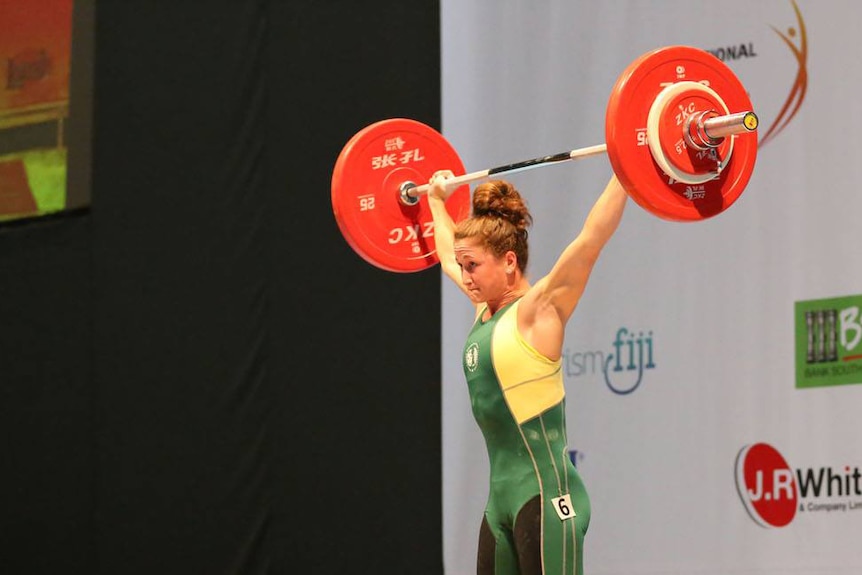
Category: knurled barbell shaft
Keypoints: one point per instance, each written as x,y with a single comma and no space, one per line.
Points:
716,127
415,192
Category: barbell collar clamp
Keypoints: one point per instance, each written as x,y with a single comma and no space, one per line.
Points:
706,130
404,193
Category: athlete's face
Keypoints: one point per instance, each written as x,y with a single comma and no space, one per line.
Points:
482,273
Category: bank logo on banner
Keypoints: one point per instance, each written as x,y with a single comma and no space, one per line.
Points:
774,494
623,365
828,342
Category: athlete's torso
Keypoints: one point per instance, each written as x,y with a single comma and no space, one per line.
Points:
511,385
536,498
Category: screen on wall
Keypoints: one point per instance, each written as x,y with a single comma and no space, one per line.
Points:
46,50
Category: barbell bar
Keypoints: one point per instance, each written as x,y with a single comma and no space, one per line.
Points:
702,131
676,135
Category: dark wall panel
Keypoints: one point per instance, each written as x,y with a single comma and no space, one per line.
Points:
355,349
45,397
181,287
199,375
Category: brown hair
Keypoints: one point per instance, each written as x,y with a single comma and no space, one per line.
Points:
500,218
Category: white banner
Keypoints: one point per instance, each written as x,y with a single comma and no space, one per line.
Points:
712,368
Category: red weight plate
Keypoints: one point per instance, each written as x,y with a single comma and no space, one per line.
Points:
366,188
687,164
626,134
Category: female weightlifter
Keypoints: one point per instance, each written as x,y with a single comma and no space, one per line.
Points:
538,510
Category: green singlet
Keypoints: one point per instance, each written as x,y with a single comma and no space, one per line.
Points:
538,510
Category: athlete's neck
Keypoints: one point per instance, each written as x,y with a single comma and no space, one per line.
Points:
510,295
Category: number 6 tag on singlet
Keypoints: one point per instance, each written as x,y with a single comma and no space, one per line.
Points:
563,507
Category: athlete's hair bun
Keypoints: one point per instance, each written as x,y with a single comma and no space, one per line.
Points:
500,199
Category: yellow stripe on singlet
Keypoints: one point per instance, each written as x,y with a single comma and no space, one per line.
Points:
531,382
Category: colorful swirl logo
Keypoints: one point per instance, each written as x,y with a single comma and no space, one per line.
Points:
797,40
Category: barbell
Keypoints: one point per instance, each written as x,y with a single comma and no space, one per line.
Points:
672,134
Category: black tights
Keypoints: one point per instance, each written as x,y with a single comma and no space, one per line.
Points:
526,538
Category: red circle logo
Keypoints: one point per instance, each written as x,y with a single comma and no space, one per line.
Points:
766,485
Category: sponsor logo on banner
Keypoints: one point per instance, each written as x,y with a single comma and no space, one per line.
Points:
828,342
631,353
775,495
795,39
734,52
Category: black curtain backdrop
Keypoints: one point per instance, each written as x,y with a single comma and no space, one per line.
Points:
199,376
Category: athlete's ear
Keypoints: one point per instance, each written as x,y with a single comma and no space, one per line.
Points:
511,262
